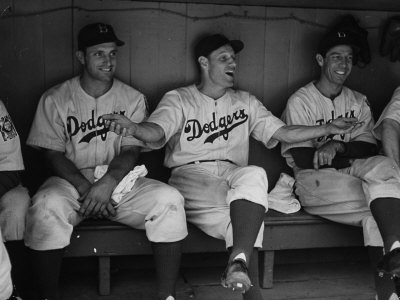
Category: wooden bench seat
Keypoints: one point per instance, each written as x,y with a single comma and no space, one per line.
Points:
300,230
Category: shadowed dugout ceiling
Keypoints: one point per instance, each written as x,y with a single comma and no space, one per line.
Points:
38,41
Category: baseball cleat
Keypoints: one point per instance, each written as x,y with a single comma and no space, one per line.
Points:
236,277
390,263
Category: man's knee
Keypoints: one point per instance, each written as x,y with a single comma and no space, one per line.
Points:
13,210
168,195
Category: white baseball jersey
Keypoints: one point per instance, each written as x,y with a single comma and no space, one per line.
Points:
308,106
198,127
391,111
10,146
69,120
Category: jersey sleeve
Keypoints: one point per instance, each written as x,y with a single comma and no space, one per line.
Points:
168,115
391,111
297,113
138,114
364,132
263,124
47,130
10,145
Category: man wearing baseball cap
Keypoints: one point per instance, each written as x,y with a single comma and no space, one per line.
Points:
207,127
69,129
341,177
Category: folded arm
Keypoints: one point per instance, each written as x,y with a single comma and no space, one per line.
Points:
333,154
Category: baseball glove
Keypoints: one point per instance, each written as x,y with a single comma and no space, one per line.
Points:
390,44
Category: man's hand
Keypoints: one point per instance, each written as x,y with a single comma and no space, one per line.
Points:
343,125
97,200
119,124
326,153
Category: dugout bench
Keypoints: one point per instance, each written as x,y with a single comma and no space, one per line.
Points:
104,239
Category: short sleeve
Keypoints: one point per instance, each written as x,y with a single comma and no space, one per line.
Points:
391,111
263,124
47,130
138,114
297,113
168,115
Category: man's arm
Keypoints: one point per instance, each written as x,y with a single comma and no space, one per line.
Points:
299,133
98,199
146,132
391,139
333,154
64,168
8,180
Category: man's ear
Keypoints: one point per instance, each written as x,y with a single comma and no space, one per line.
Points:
203,61
80,56
320,59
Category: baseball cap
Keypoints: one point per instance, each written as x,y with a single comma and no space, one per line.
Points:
338,37
208,44
97,33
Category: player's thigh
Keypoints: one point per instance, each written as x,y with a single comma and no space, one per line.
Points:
55,199
13,208
380,176
215,222
148,198
201,188
332,195
250,183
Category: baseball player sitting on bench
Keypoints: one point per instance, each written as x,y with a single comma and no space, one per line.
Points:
69,127
387,129
14,201
341,177
206,128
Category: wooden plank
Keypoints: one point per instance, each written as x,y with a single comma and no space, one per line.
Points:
172,49
267,271
104,275
58,52
390,5
250,72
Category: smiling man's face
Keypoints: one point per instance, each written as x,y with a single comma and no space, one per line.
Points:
337,64
222,66
100,61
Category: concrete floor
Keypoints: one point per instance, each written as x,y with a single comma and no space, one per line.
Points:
334,280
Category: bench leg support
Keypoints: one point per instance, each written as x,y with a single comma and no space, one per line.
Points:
267,269
104,275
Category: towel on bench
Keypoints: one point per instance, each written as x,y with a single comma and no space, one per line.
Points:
281,198
125,185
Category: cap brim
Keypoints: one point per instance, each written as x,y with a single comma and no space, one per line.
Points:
119,43
236,45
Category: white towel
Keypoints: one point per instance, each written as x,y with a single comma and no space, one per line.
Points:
281,198
126,184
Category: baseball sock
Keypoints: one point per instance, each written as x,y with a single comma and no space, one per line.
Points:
46,266
246,218
383,283
20,271
386,212
254,293
167,257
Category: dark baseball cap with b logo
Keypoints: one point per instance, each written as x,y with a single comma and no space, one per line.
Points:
337,37
97,33
209,43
